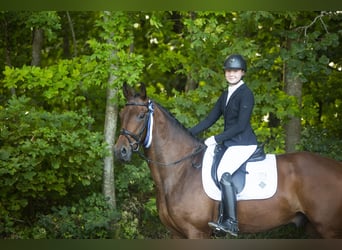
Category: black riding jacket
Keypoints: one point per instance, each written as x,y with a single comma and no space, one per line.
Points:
237,115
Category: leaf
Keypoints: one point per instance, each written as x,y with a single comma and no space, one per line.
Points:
29,175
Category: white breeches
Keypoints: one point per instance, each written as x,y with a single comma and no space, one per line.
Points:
232,159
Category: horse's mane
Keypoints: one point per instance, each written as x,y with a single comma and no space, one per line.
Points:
174,120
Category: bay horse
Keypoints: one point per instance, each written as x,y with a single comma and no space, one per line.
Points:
309,185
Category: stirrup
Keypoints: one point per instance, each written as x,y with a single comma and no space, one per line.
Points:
228,226
216,229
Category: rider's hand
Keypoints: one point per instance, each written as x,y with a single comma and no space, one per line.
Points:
210,141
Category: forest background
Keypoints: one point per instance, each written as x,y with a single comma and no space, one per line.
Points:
60,95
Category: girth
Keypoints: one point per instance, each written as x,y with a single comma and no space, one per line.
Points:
239,176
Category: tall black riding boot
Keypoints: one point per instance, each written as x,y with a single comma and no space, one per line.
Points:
229,222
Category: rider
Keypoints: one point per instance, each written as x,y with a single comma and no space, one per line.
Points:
236,105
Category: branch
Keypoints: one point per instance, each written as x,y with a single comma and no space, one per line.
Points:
319,17
72,33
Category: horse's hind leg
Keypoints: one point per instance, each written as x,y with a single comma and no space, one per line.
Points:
300,220
311,231
326,218
327,224
329,231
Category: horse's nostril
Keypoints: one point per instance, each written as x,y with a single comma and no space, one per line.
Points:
123,151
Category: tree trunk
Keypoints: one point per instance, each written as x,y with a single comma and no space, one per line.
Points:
37,45
66,45
293,87
190,84
7,49
109,132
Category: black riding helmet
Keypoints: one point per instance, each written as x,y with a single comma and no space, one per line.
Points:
235,62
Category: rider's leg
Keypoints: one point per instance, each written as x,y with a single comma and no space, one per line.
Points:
229,222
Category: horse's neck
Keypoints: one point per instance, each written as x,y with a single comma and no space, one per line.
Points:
170,143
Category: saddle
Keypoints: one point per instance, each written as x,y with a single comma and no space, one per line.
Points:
239,176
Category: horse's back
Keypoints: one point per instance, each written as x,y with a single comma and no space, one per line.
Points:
312,165
316,185
312,172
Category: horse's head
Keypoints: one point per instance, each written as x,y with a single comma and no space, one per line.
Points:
134,117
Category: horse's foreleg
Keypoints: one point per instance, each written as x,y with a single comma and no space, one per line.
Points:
177,236
199,235
190,235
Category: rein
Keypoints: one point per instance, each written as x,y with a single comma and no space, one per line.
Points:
199,149
148,124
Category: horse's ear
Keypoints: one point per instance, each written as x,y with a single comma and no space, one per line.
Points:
142,91
128,91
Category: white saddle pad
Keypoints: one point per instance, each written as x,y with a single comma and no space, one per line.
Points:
261,180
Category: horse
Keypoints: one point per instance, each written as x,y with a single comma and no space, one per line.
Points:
309,185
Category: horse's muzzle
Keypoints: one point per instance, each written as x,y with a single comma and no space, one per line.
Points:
123,152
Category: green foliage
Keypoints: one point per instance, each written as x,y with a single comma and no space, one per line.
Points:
58,86
289,231
49,21
49,150
44,155
112,54
139,220
128,226
150,222
133,179
321,141
90,218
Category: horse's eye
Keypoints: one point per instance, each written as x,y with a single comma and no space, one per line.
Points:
141,116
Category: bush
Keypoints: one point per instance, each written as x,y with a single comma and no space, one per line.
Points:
91,218
321,141
43,156
140,220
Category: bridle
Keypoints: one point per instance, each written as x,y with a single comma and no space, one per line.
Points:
135,145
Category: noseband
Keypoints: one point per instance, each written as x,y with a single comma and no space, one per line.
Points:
147,124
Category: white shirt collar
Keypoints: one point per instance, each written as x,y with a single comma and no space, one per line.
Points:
232,88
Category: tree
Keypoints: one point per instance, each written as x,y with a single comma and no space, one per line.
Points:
116,61
41,23
111,117
304,54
